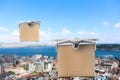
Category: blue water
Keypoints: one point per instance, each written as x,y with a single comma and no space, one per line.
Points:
49,51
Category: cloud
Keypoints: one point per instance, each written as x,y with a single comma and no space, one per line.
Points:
15,33
93,33
65,31
87,33
3,29
46,34
105,23
12,37
117,25
7,38
81,32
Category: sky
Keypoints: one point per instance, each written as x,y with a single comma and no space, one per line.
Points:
62,19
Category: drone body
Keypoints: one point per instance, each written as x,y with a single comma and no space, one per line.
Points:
76,42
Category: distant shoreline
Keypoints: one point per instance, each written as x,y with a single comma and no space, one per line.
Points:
49,51
113,47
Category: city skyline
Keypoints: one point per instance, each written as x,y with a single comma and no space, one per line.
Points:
62,19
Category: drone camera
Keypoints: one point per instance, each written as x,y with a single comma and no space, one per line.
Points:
30,24
76,45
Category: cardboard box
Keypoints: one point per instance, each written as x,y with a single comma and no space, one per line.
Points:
29,31
76,62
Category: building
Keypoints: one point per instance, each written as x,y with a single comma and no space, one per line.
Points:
39,66
48,66
36,57
2,69
16,70
31,67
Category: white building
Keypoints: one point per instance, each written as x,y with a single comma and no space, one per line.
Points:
36,57
39,66
114,65
17,70
31,68
0,69
48,66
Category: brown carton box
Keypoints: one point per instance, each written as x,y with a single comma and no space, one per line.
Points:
76,62
29,31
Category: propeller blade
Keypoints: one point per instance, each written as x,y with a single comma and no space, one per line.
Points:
31,22
66,41
91,39
75,40
86,41
58,40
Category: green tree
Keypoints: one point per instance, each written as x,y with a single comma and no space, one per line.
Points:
11,72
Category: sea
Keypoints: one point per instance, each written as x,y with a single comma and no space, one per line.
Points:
50,51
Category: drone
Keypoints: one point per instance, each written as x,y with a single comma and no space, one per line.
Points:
76,42
32,23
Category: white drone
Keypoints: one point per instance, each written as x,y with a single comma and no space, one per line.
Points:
76,42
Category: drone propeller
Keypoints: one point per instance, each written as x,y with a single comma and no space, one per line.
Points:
75,42
91,39
58,40
31,23
64,41
86,41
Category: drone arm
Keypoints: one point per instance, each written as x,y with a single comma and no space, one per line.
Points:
62,42
86,41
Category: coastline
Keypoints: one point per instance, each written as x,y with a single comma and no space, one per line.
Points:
49,51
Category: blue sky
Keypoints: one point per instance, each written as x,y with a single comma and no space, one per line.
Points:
62,19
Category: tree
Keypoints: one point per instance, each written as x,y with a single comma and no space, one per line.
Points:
11,72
